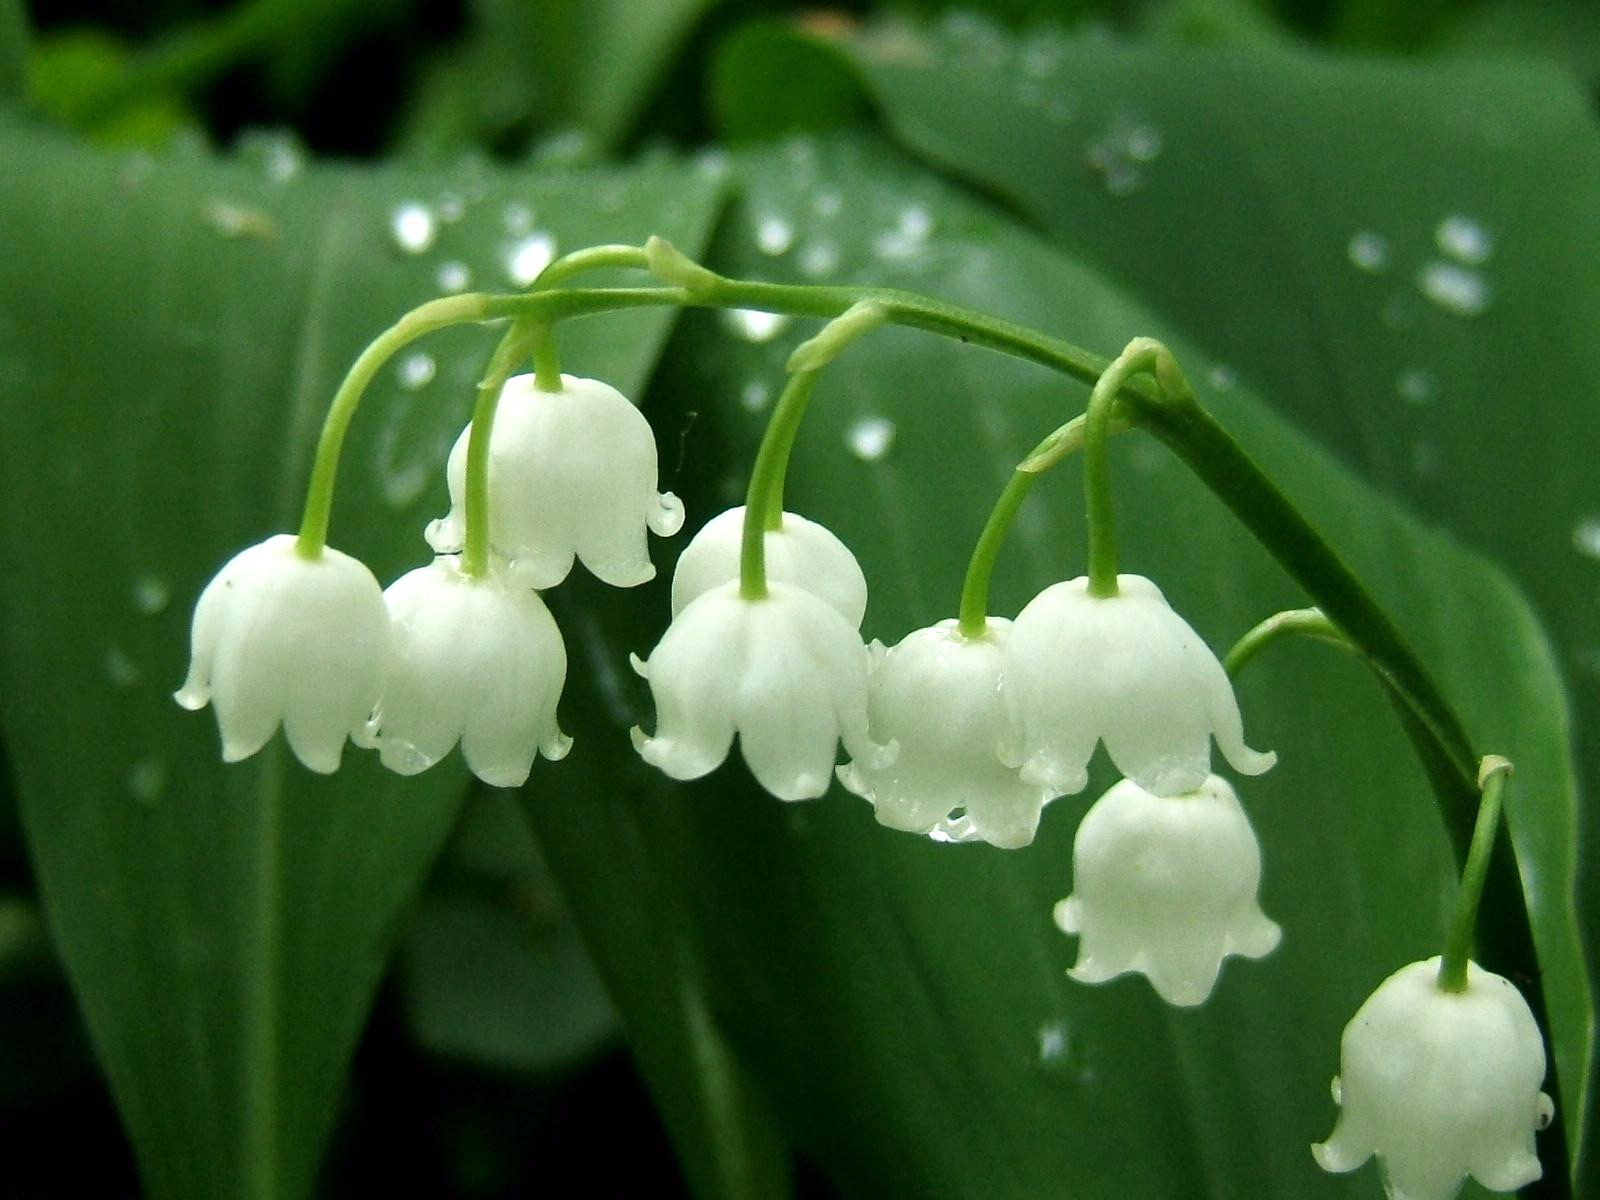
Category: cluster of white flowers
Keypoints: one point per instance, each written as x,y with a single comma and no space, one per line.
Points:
958,734
442,656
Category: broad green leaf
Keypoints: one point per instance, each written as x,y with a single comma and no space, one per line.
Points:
1386,261
14,38
172,332
903,1004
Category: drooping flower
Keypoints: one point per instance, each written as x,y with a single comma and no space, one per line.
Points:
800,552
477,660
1440,1085
571,473
280,638
787,673
1125,670
1166,886
937,693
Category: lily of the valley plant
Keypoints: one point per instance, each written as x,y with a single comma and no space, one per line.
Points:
964,730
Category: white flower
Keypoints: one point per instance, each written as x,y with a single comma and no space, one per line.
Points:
1440,1085
786,672
282,638
570,473
1126,670
474,660
800,552
1166,886
937,694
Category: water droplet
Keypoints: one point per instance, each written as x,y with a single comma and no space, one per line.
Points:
454,276
518,218
827,203
755,395
1586,537
414,227
1464,240
121,669
1545,1113
1143,143
1369,251
1040,57
774,235
151,595
871,438
451,208
1454,288
528,256
236,221
819,259
417,370
753,325
1415,385
712,163
1054,1040
1117,155
1223,378
275,152
147,779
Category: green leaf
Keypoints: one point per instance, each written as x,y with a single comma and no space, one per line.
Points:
818,91
1325,258
175,327
903,1004
14,38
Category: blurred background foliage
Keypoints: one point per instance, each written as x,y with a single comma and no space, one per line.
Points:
494,1055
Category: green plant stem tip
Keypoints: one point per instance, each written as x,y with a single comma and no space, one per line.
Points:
1492,777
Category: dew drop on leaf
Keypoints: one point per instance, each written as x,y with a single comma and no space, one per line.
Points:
774,235
1586,537
147,779
1464,240
417,370
753,325
151,595
1415,385
754,396
123,672
454,276
871,438
414,227
1454,288
1368,251
526,257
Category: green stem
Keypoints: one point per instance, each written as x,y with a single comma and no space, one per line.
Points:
546,363
973,614
1097,499
591,258
766,480
436,314
1293,622
514,348
1492,777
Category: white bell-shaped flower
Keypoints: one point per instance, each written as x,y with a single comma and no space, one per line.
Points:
279,638
937,693
477,660
801,552
786,672
1166,886
1125,670
571,473
1440,1085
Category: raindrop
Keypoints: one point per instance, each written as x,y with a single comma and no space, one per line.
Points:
712,163
277,154
147,779
1040,57
1223,378
236,221
871,438
414,227
1454,288
1054,1041
1369,251
151,595
417,370
1586,537
827,203
527,257
1464,240
121,669
451,208
1546,1112
454,276
819,259
755,395
774,235
1415,385
753,325
518,217
1143,143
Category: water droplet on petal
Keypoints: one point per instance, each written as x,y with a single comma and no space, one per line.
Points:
414,227
871,438
1586,537
1464,240
1369,251
417,370
121,669
147,779
1545,1113
528,256
774,235
454,276
753,325
151,595
1454,288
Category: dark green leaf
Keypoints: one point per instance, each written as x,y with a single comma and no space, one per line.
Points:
817,91
903,1004
173,330
14,39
